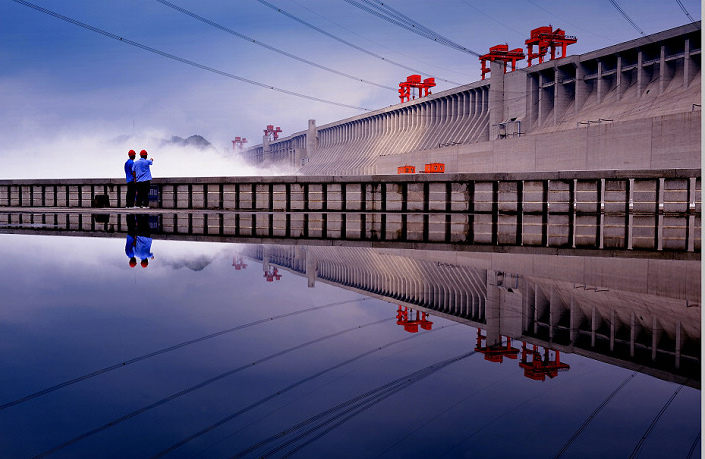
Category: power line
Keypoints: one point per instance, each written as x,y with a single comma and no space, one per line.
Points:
182,60
330,35
469,4
568,22
614,3
271,48
393,16
685,11
377,43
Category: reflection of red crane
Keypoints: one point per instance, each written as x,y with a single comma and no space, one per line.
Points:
238,142
496,352
272,132
537,368
501,53
271,274
406,92
411,321
546,38
239,263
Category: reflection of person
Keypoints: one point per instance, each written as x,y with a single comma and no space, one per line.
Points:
143,176
143,241
131,240
130,178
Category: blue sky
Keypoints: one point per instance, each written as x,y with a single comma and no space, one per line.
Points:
65,89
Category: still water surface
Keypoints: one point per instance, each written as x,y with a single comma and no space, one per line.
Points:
193,357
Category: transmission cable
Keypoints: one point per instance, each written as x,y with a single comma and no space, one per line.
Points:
271,48
393,16
182,60
469,4
568,22
621,11
685,11
163,351
330,35
201,385
351,31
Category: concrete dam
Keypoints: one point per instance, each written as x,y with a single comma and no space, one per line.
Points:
635,105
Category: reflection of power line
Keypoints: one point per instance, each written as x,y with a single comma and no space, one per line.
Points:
180,59
592,416
271,48
165,350
653,424
487,423
199,386
369,53
693,446
282,391
389,14
337,415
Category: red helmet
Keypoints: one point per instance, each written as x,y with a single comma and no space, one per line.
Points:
143,153
133,262
131,153
144,263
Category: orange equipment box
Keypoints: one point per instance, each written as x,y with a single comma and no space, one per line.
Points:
435,168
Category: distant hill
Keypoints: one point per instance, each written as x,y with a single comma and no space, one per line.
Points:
193,141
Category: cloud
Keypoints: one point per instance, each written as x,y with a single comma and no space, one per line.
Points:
96,155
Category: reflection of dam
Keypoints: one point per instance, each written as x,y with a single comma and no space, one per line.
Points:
616,316
640,310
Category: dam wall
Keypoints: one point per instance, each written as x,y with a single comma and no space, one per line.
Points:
635,105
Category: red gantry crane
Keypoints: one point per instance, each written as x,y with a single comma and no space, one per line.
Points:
423,89
546,38
501,53
272,132
238,142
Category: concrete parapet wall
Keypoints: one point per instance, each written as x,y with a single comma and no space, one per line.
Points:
656,210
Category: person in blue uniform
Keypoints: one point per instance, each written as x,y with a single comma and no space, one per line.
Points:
130,179
143,177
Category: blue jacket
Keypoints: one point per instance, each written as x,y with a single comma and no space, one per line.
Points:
141,169
128,171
